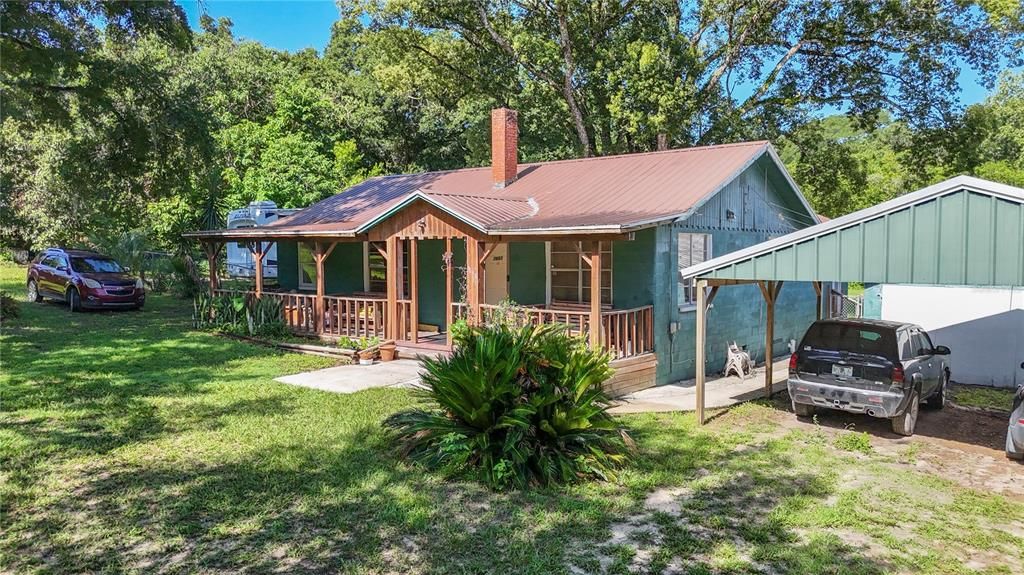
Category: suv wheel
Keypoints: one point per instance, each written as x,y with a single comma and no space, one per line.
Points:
803,410
938,399
905,423
33,292
74,301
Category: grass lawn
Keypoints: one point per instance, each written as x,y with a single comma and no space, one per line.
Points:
129,443
984,397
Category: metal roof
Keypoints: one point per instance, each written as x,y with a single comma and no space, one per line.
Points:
964,231
608,194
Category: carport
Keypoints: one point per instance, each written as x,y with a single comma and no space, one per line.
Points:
962,232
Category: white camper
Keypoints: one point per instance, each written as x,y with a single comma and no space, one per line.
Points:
240,261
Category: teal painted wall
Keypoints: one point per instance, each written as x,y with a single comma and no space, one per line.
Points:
288,265
527,262
343,270
633,283
873,302
762,206
432,276
737,314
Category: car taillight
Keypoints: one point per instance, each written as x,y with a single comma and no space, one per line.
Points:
792,362
897,374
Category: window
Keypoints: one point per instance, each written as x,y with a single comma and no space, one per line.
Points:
921,345
851,338
693,249
307,267
570,275
377,268
95,265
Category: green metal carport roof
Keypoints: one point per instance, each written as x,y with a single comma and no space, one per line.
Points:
964,231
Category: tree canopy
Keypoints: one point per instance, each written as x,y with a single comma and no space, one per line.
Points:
116,116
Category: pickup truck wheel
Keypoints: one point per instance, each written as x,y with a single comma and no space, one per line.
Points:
905,423
938,399
803,410
33,292
74,301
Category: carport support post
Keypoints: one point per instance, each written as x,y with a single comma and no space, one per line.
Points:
770,291
817,299
391,313
702,314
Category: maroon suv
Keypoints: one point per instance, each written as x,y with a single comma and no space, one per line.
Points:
83,279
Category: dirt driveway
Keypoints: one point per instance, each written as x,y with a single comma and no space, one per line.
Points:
962,445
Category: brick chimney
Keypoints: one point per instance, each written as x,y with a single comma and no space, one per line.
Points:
504,146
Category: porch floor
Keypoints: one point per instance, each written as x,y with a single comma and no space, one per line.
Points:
719,392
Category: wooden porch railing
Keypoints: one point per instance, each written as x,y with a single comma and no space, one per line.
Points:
628,332
624,333
354,316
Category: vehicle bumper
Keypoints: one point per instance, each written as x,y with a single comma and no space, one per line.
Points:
93,300
883,404
1015,441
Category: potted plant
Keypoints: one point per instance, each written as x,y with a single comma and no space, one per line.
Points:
388,350
365,348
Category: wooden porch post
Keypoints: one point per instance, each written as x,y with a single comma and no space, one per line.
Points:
320,255
449,260
414,291
770,291
817,300
595,295
702,313
212,249
259,251
473,279
391,315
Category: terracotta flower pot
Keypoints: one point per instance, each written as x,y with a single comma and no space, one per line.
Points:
366,357
388,352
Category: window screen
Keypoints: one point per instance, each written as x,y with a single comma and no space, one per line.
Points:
570,275
693,249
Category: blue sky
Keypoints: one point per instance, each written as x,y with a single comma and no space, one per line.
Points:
297,24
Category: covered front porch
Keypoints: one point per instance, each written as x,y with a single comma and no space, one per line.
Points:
415,273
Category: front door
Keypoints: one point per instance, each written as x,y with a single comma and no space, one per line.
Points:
496,275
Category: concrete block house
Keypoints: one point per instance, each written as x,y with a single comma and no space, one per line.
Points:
594,243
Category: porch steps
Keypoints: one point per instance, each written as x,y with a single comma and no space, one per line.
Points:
632,374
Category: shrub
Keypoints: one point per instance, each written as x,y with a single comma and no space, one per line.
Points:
859,442
516,406
358,343
9,307
239,314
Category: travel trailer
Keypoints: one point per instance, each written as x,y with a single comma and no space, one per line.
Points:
239,259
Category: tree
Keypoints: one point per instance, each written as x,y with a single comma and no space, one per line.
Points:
641,75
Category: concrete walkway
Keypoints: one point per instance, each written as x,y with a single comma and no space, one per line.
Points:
353,378
719,392
682,396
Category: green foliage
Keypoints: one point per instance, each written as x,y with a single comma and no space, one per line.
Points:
239,314
358,343
9,307
859,442
516,407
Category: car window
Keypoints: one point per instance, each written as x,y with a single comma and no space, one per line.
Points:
905,348
95,265
854,338
926,341
920,346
